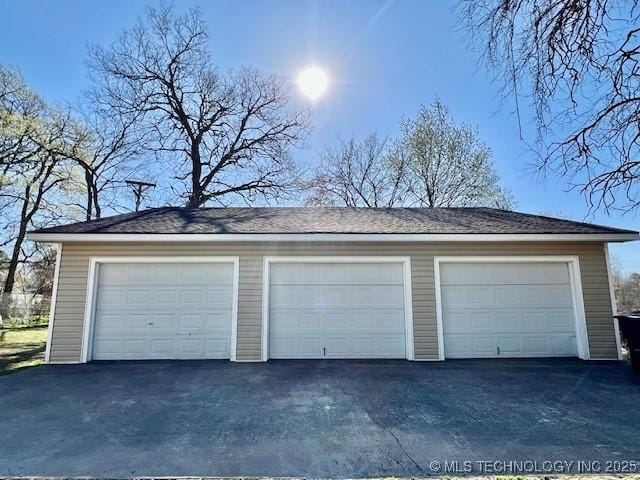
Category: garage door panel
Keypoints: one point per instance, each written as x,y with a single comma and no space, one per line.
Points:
367,273
509,346
359,296
356,310
483,346
284,297
564,345
194,274
163,274
478,297
534,321
218,321
463,345
345,321
287,274
111,323
561,320
504,273
111,296
530,295
336,274
365,347
136,347
311,321
140,273
508,321
482,321
156,274
220,274
136,322
165,296
112,276
502,316
284,319
389,296
163,322
338,346
389,320
457,345
558,296
453,296
162,348
531,345
138,296
296,346
506,295
175,314
190,323
219,295
392,346
323,298
108,347
457,321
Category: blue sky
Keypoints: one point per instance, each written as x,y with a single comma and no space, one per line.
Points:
385,58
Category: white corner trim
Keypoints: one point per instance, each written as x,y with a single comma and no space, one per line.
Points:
92,283
582,336
328,237
266,282
573,262
234,309
52,307
87,326
614,304
439,325
406,269
408,309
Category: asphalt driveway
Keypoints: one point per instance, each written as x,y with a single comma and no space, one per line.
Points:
317,419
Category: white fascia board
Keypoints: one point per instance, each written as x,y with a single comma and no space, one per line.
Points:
329,237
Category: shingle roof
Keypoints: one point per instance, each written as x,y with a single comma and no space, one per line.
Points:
283,220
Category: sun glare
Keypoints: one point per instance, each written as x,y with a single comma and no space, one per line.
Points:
313,82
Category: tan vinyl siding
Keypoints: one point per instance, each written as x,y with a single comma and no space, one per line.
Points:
67,332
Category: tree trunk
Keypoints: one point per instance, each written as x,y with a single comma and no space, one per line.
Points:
96,204
195,199
29,208
7,288
88,178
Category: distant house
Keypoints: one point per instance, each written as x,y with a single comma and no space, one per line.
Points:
253,284
25,304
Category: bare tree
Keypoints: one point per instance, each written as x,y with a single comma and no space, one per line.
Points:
359,173
626,286
110,153
435,163
20,114
29,195
227,135
33,168
448,165
576,63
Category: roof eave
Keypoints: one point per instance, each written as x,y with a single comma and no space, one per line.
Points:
333,237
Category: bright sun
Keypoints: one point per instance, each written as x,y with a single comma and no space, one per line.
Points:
313,82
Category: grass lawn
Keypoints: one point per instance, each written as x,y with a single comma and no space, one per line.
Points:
21,347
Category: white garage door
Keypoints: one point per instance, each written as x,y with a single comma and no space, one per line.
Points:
507,310
336,310
163,310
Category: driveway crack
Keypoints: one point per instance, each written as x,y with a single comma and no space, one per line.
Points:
404,450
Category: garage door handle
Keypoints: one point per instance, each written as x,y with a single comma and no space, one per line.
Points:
150,323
